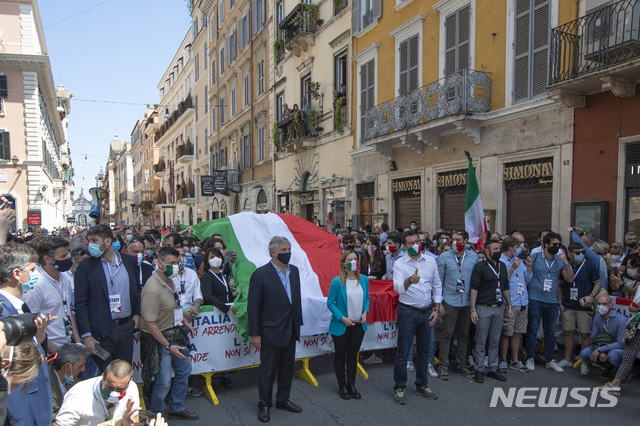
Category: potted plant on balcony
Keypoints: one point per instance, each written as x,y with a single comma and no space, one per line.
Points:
188,101
188,147
297,125
160,166
191,190
314,88
274,135
337,117
311,120
278,50
311,20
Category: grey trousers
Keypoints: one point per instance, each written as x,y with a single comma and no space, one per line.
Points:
457,319
489,325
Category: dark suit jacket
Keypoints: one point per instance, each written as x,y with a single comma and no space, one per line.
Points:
214,292
33,406
92,296
271,315
147,271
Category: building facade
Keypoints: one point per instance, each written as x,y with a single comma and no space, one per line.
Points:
81,209
35,166
466,76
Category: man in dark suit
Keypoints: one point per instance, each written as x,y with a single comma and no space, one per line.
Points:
107,298
136,249
275,317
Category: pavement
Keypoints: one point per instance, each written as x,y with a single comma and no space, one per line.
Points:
459,400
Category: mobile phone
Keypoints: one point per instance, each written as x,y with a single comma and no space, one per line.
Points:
102,353
2,206
615,271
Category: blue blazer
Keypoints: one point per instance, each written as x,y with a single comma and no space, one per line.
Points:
337,304
34,405
92,296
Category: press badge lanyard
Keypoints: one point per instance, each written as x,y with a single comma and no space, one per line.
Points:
497,274
549,266
461,262
577,272
117,270
53,283
223,281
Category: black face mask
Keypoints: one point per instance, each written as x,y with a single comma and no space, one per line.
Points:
553,250
349,247
496,256
284,257
632,244
63,265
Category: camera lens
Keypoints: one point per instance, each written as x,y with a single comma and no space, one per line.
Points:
19,329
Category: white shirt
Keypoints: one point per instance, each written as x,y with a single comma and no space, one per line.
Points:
355,299
192,290
16,302
428,290
49,295
83,404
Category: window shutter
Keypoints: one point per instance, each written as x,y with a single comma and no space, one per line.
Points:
450,47
521,74
540,48
377,9
355,17
463,39
531,49
3,86
5,145
413,63
404,67
254,16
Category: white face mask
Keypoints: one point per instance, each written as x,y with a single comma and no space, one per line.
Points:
139,257
603,310
215,262
633,273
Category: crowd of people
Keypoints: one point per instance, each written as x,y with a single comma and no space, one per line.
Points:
90,290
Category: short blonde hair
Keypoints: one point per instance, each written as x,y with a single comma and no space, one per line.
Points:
25,364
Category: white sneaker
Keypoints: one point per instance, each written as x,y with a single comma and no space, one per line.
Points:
470,361
485,361
531,365
410,366
432,371
503,366
584,369
609,387
565,364
373,359
553,365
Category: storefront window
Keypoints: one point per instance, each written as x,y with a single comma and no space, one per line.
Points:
633,220
335,205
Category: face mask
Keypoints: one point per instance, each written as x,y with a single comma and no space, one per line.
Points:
181,263
392,249
413,227
467,246
193,250
170,271
33,279
579,258
215,262
68,378
112,397
371,250
148,253
615,257
352,266
414,250
116,245
518,251
94,250
129,237
553,250
603,310
633,273
63,265
284,257
632,245
459,246
496,256
139,258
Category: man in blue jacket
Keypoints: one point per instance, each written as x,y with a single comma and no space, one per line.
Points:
455,267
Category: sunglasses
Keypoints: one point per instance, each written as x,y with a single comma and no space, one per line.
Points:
554,244
615,246
579,252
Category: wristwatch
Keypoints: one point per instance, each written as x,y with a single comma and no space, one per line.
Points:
168,347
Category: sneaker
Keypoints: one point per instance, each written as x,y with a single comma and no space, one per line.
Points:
518,365
553,365
470,361
465,372
399,398
531,365
608,387
410,366
443,372
584,369
503,366
432,371
195,392
373,359
426,392
485,361
565,364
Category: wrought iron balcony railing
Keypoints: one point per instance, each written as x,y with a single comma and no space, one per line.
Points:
605,37
468,91
339,6
302,19
302,124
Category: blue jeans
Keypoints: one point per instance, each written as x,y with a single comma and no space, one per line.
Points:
432,346
412,323
162,382
614,360
548,312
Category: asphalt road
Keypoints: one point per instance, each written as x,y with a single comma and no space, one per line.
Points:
459,400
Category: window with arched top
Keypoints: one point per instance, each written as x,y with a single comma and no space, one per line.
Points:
305,181
262,197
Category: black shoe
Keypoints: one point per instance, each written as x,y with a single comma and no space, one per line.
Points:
354,392
478,378
496,375
289,406
183,415
263,414
225,382
344,393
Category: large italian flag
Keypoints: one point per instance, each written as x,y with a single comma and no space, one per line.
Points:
315,252
474,221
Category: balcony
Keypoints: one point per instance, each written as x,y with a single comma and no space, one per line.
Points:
234,180
160,168
186,193
299,131
339,6
596,52
420,116
184,152
299,28
183,107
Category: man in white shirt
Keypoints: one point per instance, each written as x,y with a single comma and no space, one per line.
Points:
417,282
52,292
189,284
110,396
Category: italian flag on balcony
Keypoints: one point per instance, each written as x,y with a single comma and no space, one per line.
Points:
474,221
315,252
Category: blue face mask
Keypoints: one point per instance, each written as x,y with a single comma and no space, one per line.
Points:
116,245
579,258
33,278
467,246
518,251
68,379
94,250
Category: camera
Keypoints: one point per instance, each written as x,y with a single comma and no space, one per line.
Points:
523,255
18,328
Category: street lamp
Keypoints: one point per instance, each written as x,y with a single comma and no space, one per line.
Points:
99,177
14,160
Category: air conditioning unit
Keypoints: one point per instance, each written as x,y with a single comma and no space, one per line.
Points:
611,31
